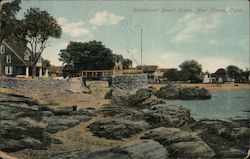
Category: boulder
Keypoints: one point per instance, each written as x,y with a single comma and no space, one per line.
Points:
126,85
167,116
168,92
26,124
180,143
117,128
183,93
142,149
143,97
227,139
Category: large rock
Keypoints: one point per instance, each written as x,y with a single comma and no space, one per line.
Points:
183,93
142,149
180,143
143,98
26,124
117,128
126,85
228,139
21,125
167,116
168,92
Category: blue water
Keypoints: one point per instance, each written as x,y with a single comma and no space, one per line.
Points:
224,105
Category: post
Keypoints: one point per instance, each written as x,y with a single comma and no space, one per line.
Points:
46,73
141,46
40,72
27,71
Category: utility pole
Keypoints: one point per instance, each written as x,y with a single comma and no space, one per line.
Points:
141,46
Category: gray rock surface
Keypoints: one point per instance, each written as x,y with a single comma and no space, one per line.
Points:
126,85
180,143
143,97
117,128
227,139
183,93
26,124
167,116
142,149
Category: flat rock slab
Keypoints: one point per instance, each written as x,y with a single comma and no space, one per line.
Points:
167,116
142,149
117,128
180,143
26,124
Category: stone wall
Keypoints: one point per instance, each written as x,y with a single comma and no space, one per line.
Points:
41,85
126,85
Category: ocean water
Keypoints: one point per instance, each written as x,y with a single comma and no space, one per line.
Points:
224,105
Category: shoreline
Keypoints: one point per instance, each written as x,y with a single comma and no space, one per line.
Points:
229,86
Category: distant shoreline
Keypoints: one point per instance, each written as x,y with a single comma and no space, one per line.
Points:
227,86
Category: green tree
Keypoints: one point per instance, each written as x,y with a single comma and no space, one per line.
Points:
172,75
8,19
45,63
235,72
88,56
127,63
191,71
35,30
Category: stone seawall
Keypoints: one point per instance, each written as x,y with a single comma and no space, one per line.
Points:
36,86
126,85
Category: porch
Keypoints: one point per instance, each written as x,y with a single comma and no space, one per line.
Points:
25,71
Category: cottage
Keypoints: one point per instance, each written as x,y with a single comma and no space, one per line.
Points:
15,60
221,76
151,71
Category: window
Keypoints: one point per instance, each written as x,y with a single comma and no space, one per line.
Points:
8,70
2,49
26,56
8,59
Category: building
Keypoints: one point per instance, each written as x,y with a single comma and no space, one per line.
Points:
15,60
220,76
151,71
155,74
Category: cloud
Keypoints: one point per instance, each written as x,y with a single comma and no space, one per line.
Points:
105,18
73,29
190,25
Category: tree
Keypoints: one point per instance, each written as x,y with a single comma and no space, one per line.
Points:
127,63
35,30
8,19
191,70
88,56
172,75
45,63
235,72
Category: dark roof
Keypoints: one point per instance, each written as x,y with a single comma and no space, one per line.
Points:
166,69
221,71
148,68
17,47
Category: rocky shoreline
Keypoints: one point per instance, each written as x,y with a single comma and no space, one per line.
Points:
166,131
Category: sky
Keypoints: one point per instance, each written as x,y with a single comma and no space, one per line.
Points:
215,33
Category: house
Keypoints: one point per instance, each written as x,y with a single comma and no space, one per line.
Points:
208,78
151,71
15,60
220,76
